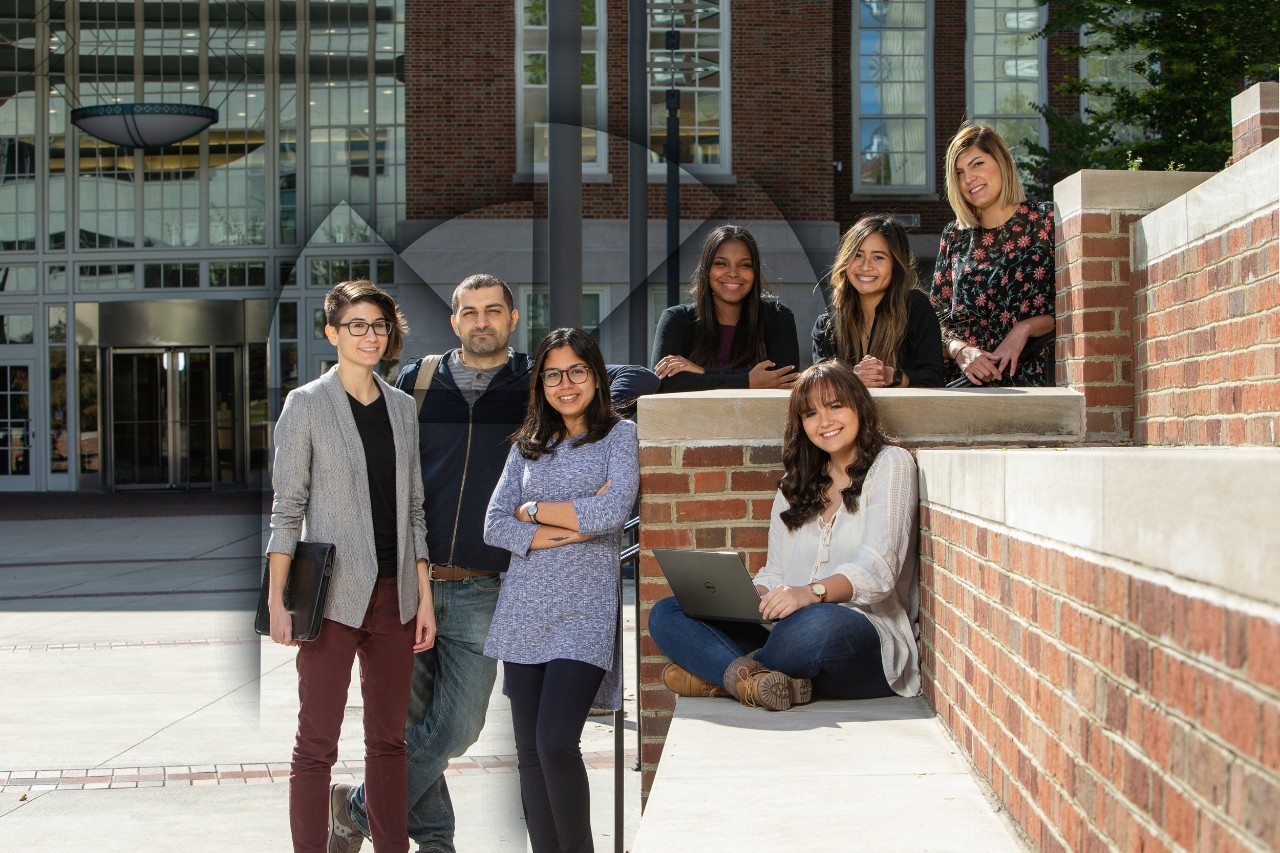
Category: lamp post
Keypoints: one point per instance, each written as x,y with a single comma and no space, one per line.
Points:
564,162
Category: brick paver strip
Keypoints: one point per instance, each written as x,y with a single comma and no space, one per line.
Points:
258,773
133,644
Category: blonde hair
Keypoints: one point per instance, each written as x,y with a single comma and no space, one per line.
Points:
989,141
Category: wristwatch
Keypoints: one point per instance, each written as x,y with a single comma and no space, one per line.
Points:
897,377
533,512
818,590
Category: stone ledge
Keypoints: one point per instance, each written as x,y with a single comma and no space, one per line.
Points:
969,416
1257,99
1238,194
1206,515
879,774
1103,190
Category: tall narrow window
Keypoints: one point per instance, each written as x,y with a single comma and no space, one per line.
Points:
892,68
531,77
1008,72
1117,67
697,69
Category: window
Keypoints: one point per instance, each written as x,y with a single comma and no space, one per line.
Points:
1007,71
1118,68
170,276
100,278
238,274
531,77
17,328
326,272
694,70
892,67
535,316
18,279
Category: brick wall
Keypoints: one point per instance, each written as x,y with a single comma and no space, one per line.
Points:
692,495
1207,329
1107,708
1095,326
1255,119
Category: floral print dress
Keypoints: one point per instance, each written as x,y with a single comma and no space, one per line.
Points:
988,279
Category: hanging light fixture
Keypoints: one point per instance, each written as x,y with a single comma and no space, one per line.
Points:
144,125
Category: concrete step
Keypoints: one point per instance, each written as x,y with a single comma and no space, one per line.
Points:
878,774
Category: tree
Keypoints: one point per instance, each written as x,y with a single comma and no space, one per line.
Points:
1188,59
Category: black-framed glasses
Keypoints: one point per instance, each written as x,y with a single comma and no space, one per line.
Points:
577,375
359,328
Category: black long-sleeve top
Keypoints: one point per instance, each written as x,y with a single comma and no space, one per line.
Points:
678,326
374,423
919,354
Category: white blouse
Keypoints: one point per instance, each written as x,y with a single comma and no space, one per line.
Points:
875,549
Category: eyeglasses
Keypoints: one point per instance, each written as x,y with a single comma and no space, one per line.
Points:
577,375
359,328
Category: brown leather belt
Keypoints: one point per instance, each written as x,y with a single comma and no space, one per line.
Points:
454,573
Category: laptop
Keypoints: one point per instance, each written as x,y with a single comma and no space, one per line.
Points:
711,585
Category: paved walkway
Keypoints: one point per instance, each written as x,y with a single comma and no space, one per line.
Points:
141,710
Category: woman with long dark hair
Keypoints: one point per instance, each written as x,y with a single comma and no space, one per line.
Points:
841,571
993,286
567,489
346,472
732,335
879,321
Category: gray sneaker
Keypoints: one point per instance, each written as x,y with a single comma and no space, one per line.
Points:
344,836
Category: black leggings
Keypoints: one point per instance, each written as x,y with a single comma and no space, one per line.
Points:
549,706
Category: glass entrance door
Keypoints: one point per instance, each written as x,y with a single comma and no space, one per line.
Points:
16,469
176,418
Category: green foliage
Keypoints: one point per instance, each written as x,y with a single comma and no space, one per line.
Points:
1194,56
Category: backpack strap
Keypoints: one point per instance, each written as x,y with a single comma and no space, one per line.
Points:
426,372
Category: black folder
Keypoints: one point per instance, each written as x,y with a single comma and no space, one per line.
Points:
305,592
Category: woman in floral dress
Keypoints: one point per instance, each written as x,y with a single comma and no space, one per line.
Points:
993,286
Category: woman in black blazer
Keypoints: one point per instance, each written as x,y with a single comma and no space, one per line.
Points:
879,322
346,471
731,336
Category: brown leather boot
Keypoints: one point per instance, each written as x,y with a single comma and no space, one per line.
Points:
754,685
801,688
682,682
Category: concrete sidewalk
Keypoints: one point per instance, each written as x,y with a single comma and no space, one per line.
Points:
142,711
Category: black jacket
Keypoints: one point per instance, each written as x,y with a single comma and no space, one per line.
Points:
464,449
919,354
676,330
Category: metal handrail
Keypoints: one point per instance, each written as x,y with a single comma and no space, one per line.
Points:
627,555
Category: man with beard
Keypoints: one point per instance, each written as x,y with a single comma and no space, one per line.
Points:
475,400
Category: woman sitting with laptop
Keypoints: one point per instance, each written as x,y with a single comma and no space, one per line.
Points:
841,573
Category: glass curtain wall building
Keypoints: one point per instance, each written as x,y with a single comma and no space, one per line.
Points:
138,288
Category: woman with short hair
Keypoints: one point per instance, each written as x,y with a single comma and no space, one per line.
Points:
993,286
346,472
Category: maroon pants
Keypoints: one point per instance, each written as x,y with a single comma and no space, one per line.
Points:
385,648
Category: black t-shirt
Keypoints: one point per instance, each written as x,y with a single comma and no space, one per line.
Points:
374,423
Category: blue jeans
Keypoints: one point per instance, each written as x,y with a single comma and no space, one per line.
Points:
835,646
448,699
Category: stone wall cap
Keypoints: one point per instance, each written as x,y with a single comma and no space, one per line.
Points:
1258,98
914,415
1103,190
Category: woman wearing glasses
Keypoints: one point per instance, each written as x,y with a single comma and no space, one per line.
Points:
569,484
346,471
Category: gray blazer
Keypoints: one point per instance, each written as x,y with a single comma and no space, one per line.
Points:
322,493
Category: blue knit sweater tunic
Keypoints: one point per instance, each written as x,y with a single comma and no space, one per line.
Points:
563,602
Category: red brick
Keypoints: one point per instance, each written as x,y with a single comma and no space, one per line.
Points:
709,482
656,457
1263,652
710,510
712,457
1239,716
710,538
655,512
750,537
655,537
765,455
664,484
756,481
